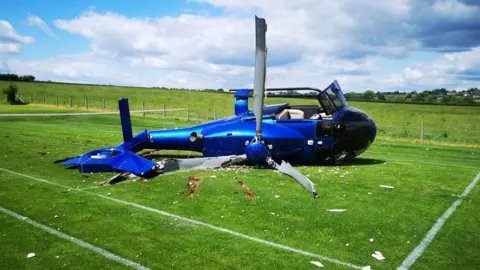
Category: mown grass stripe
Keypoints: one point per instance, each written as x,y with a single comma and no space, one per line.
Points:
74,240
417,252
196,222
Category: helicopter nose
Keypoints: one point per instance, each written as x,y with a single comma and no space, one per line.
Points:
354,131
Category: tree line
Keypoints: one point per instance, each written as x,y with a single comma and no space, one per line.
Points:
16,78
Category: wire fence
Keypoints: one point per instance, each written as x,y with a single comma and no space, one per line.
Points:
420,132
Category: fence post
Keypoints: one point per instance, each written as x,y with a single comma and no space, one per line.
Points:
57,101
164,112
31,98
70,101
86,103
188,114
421,132
214,114
44,99
143,108
104,104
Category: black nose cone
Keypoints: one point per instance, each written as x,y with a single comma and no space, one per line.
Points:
354,131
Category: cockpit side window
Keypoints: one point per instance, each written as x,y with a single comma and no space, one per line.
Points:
334,98
326,103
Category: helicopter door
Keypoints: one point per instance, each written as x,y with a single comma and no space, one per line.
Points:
331,99
324,139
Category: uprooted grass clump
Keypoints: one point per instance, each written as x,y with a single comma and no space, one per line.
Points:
192,185
250,193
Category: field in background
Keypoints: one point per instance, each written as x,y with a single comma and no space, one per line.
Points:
400,122
427,180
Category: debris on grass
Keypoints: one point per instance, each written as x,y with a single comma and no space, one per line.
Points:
371,240
385,186
109,194
369,193
336,210
277,196
378,255
192,185
368,267
248,191
319,264
30,255
56,216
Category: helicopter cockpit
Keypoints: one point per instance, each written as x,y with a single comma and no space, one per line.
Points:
330,101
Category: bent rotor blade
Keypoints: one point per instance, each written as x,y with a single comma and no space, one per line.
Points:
200,163
287,169
260,71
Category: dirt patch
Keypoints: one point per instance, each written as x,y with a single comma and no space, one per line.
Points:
192,185
250,193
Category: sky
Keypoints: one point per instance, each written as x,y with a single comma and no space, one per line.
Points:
395,45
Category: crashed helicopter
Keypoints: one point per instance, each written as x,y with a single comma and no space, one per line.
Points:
275,135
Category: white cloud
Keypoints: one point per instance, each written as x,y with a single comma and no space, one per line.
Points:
33,20
311,42
10,43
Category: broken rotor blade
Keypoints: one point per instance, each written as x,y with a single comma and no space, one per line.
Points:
287,169
199,163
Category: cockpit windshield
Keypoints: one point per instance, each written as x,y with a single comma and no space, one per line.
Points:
331,99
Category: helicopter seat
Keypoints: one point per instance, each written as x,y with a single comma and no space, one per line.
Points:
290,114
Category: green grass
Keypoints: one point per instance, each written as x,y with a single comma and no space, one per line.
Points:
427,180
442,123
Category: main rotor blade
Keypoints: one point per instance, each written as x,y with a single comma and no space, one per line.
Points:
260,71
287,169
200,163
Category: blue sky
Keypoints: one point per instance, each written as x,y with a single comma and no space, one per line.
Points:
399,45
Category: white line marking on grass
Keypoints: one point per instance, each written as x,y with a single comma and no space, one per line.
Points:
415,254
74,240
251,238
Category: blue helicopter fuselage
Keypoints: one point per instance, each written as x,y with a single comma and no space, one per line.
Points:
348,131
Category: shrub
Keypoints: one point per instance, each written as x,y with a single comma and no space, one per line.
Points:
11,92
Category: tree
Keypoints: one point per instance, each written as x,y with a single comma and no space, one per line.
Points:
369,95
11,92
381,97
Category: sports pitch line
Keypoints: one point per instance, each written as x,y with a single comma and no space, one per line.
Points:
417,252
196,222
74,240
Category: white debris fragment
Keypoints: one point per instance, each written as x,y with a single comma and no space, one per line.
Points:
57,257
30,255
175,202
385,186
369,193
378,255
319,264
337,210
368,267
213,176
56,216
222,217
371,240
272,213
347,245
277,196
109,194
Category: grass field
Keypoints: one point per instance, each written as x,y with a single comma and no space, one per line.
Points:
127,219
442,124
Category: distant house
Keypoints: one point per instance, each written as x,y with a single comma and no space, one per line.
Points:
452,93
